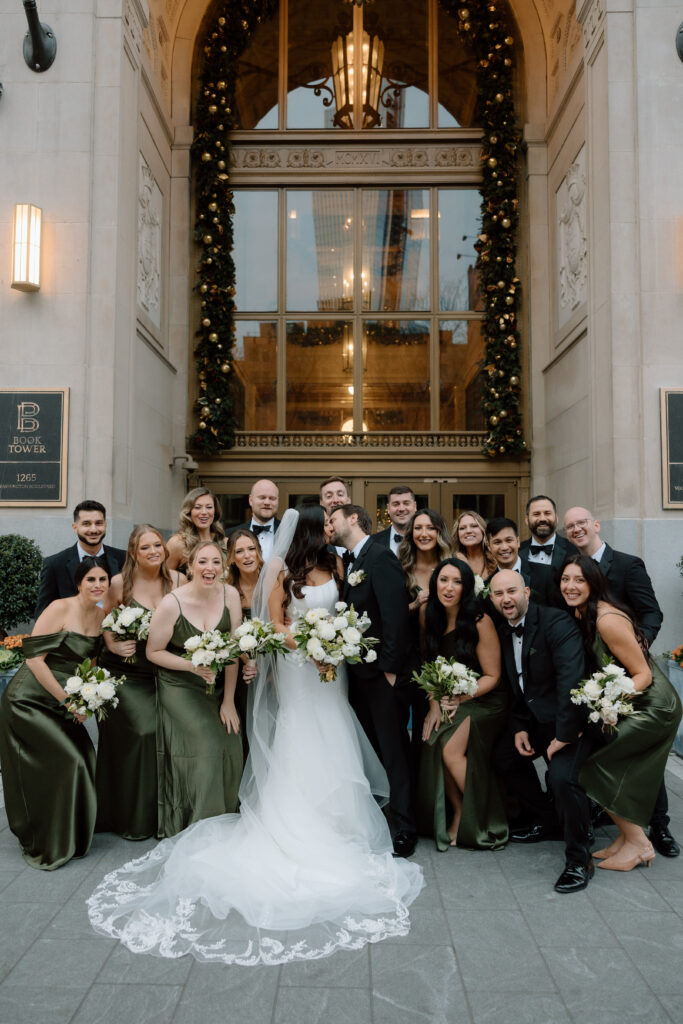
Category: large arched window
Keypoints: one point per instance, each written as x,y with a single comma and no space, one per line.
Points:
356,211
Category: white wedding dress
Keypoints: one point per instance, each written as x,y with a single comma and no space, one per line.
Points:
306,868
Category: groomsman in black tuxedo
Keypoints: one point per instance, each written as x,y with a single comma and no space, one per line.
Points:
57,577
333,492
264,498
543,555
503,539
401,506
629,582
544,660
380,692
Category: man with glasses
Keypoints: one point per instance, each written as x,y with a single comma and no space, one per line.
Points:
629,582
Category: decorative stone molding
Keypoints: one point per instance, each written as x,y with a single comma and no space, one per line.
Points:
246,157
135,20
591,15
571,235
150,214
297,440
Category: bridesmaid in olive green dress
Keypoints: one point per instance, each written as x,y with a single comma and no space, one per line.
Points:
47,757
624,774
200,519
455,765
245,562
126,777
199,749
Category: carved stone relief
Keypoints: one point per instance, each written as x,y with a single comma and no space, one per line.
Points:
571,237
150,214
248,158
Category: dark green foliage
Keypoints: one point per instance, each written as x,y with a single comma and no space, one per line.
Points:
20,564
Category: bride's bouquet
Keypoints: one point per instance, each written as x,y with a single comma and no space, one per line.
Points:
444,678
128,623
608,695
92,690
333,637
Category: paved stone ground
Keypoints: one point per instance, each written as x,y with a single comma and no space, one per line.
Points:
490,942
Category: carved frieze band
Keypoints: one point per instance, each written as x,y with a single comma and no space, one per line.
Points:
347,160
297,440
135,19
591,15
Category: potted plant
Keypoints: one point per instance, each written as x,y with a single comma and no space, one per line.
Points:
11,657
20,564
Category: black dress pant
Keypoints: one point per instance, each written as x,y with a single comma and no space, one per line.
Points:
569,807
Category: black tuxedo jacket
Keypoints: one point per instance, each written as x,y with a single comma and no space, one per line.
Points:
553,663
629,582
383,537
383,595
57,577
247,526
542,577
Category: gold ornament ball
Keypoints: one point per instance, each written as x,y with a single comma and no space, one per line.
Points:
206,157
493,139
213,207
509,300
507,62
225,367
503,414
492,162
493,420
502,449
213,109
217,401
208,261
514,381
206,322
464,14
509,40
501,284
467,26
220,85
513,344
499,97
221,165
208,239
221,22
202,425
224,49
213,336
506,222
204,288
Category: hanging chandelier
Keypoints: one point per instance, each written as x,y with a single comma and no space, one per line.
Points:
344,70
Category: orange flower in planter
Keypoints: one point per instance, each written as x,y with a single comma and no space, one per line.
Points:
676,655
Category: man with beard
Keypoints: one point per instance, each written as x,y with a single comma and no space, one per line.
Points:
401,506
57,578
543,555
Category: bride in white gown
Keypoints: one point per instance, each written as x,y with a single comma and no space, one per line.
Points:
306,867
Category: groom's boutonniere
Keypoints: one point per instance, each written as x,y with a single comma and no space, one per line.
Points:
354,578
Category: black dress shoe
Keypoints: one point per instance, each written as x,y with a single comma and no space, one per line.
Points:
533,834
575,877
404,844
663,841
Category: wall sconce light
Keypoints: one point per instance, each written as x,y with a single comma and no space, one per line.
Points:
40,45
679,41
186,462
26,226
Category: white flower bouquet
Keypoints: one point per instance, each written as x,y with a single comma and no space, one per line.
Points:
92,690
332,637
127,622
607,694
213,650
445,678
254,637
480,588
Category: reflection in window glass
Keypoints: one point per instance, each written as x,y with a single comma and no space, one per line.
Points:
313,27
461,356
395,260
255,374
255,250
320,250
319,375
457,88
459,225
395,375
489,506
257,75
404,95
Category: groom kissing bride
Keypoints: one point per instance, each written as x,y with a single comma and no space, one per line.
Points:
380,692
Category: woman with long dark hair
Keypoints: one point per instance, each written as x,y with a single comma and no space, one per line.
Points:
47,757
455,766
127,793
245,562
624,774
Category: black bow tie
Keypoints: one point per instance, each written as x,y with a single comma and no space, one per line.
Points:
348,558
260,529
397,538
540,549
518,630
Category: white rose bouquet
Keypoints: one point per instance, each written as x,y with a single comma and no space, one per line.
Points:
445,678
608,695
92,690
212,649
128,623
332,637
254,637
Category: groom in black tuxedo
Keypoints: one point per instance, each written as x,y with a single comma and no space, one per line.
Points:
57,577
544,660
380,692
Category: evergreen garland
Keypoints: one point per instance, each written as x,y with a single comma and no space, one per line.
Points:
484,28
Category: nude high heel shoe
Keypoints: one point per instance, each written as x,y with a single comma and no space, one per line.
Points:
610,850
628,858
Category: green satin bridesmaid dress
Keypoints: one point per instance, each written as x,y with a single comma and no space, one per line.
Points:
624,774
127,789
199,761
47,757
483,824
241,695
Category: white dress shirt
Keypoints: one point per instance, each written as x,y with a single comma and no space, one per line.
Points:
393,543
265,537
517,642
86,554
543,557
597,557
